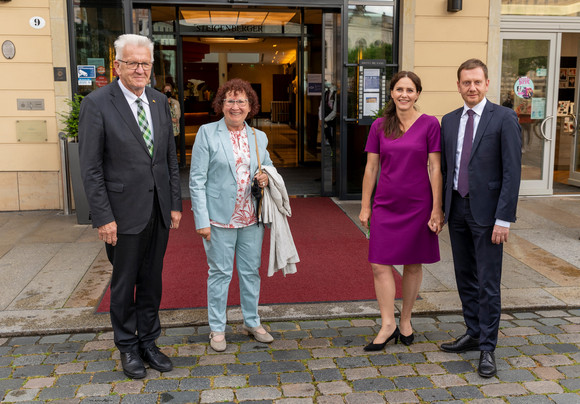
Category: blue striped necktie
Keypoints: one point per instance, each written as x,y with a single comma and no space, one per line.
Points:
144,125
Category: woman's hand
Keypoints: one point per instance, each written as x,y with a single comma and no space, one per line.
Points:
364,217
205,233
262,179
436,221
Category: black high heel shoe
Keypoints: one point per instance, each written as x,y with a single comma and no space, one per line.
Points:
378,347
407,339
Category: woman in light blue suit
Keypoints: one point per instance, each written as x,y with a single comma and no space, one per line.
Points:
224,164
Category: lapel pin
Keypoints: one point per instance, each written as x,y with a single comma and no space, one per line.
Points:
153,101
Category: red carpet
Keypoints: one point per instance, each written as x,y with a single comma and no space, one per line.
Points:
333,262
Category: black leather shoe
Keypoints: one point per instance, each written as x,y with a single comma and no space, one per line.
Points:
133,366
407,339
156,359
487,366
378,347
462,344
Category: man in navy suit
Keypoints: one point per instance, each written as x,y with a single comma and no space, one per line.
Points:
481,178
131,178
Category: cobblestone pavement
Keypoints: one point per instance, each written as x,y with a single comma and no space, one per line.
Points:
322,362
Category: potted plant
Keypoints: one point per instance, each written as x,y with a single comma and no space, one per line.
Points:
71,132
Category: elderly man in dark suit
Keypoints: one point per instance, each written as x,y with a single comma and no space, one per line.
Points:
131,179
481,162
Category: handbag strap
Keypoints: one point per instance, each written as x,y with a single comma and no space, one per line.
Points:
257,153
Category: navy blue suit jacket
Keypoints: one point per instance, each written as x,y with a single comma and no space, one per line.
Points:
494,165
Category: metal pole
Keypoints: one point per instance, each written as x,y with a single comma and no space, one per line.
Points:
65,173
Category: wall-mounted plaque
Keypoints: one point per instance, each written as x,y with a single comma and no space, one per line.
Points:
8,49
31,132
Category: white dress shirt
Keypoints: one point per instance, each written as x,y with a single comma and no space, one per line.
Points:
132,100
478,109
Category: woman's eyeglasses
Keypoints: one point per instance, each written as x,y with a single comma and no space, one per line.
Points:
241,103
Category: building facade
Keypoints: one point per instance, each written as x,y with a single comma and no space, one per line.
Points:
321,71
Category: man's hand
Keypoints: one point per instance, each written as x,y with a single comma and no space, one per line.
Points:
175,219
108,233
500,234
205,233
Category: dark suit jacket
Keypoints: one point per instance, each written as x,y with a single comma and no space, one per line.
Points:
118,173
494,166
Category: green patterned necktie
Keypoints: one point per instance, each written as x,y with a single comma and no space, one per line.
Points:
144,125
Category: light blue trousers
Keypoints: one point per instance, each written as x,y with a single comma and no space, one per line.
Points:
246,245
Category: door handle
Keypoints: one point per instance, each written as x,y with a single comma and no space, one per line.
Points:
542,128
575,128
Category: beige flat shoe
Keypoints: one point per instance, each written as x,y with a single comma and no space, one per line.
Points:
218,346
260,337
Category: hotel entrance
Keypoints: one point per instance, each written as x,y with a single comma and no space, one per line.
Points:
289,55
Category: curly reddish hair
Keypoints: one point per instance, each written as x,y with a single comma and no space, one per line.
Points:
236,86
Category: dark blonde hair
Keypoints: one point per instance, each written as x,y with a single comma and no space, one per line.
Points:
392,124
236,86
471,64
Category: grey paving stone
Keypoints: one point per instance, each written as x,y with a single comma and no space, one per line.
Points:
184,361
195,383
93,356
101,366
88,336
547,329
170,340
295,377
54,393
212,370
458,367
412,382
19,341
309,325
575,312
159,386
532,350
102,400
377,384
6,360
59,358
33,371
283,326
563,348
230,381
401,397
254,357
542,339
438,336
383,360
54,339
570,371
512,341
324,333
338,323
430,395
68,347
108,377
11,384
553,321
528,323
182,331
31,349
284,366
465,392
349,341
140,398
5,373
24,396
254,346
505,352
515,375
565,398
236,369
25,360
352,362
292,354
421,328
531,399
352,331
367,398
525,315
257,393
571,384
300,334
180,397
450,318
327,375
411,357
73,380
263,380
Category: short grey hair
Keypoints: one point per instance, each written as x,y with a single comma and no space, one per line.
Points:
134,40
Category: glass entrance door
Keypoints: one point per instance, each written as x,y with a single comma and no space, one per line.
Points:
529,86
574,178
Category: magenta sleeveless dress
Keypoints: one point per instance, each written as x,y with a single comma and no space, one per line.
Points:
399,231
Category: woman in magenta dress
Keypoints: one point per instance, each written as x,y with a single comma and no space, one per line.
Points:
406,217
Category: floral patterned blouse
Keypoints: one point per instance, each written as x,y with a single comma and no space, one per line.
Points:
244,213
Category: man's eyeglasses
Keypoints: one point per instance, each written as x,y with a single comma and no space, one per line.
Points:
241,103
135,65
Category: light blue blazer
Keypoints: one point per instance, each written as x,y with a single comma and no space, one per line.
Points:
212,177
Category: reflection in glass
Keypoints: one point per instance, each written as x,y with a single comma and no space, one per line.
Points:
524,89
541,7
